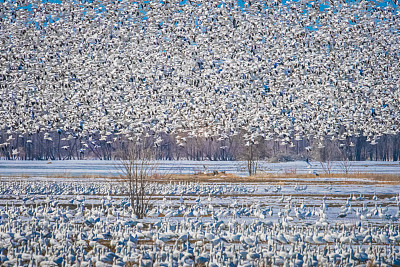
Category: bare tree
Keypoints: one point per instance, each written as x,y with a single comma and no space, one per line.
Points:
327,167
136,170
252,159
346,166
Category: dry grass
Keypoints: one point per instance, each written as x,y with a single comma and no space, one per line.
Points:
82,176
281,177
356,178
358,175
55,176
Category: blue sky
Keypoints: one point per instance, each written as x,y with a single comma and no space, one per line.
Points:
240,3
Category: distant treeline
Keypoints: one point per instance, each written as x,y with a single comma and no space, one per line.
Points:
68,145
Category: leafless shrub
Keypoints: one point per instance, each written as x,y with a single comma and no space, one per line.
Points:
346,166
289,171
327,167
252,157
136,170
252,166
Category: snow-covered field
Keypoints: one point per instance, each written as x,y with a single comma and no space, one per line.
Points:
110,168
290,221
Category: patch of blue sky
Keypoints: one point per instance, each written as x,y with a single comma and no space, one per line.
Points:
242,4
27,7
52,1
323,6
312,28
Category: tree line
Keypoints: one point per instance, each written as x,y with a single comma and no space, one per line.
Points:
72,145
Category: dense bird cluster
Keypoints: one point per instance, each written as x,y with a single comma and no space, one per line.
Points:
285,71
103,188
43,225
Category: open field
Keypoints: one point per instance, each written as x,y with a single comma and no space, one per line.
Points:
199,219
100,168
338,178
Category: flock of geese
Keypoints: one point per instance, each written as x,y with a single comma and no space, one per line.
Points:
85,224
284,71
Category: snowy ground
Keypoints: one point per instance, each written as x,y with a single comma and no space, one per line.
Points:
109,168
276,196
83,221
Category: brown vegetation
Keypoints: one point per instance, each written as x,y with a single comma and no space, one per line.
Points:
340,178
